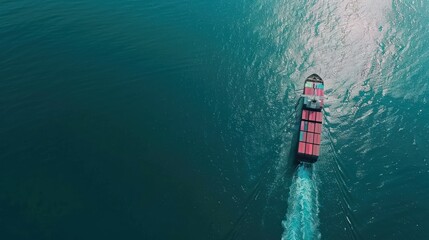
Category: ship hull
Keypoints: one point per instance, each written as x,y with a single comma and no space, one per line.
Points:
310,120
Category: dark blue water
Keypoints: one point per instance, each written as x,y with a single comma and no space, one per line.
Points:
174,119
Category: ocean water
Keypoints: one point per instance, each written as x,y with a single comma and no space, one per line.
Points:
174,119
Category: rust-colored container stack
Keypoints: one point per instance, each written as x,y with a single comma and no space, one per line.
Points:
311,120
310,131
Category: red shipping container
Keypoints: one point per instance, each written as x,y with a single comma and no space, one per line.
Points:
318,128
316,138
302,126
308,91
312,116
310,127
318,116
308,148
301,147
304,114
309,137
316,149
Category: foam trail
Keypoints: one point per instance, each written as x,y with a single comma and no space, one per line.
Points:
302,218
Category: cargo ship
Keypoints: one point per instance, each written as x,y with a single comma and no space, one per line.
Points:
310,120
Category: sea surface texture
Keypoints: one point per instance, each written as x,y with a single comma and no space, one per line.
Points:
168,119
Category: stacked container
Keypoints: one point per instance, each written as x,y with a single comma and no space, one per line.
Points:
311,124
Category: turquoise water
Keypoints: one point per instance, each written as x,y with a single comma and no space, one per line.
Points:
174,119
302,220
